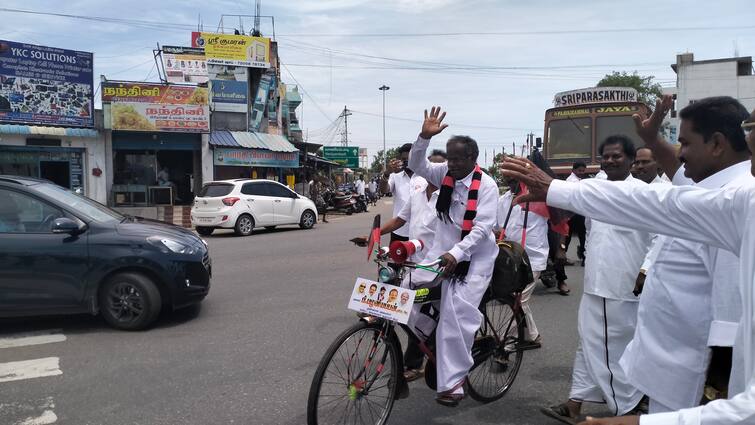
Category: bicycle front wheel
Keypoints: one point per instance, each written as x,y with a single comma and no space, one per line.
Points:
496,352
356,380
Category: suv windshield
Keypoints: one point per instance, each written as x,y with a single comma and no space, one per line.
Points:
213,190
78,203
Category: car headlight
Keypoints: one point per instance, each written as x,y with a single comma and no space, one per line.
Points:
171,245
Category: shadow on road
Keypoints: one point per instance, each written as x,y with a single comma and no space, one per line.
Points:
86,323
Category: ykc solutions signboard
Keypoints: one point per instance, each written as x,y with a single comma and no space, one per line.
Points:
45,85
157,107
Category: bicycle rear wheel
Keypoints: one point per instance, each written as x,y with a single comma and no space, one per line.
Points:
496,352
356,379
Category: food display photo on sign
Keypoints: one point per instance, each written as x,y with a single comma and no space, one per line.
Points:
157,107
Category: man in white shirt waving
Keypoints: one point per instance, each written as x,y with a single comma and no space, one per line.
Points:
466,207
724,218
608,311
401,182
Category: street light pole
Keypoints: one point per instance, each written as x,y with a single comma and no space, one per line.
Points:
383,89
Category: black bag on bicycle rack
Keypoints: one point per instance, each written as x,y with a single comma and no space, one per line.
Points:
512,271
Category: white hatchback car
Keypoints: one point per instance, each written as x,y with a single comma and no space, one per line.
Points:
244,204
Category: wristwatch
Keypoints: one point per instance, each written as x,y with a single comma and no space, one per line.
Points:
563,246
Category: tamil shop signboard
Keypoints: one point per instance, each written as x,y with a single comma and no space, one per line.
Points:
156,107
256,158
45,85
233,50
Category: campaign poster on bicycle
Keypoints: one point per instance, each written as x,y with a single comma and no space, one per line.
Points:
382,300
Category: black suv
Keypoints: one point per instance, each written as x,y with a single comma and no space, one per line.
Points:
64,253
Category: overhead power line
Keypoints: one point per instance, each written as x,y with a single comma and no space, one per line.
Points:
163,25
455,124
515,33
306,93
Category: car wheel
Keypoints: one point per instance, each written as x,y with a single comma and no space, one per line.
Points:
129,301
270,227
205,231
244,225
308,220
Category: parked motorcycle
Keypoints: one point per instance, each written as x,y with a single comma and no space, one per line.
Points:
361,203
340,201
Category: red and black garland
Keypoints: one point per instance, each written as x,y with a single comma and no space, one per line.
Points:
444,204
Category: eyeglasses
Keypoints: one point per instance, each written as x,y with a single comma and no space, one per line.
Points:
748,126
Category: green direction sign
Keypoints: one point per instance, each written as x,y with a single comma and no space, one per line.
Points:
346,156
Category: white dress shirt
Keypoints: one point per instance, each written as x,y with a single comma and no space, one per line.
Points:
372,186
614,256
573,178
359,186
725,298
601,175
724,218
654,244
536,244
402,186
479,245
421,216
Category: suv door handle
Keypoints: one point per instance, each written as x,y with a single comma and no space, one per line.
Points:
277,200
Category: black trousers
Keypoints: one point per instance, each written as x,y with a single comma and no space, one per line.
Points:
554,240
577,227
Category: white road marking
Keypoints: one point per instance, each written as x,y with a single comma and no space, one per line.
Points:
32,338
29,369
47,417
39,412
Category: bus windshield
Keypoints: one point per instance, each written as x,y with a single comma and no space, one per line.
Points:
616,125
570,138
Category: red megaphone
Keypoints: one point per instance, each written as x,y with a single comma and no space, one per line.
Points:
401,250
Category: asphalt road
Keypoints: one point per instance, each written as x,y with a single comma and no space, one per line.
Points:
248,353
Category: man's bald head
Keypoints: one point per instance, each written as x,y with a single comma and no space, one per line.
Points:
645,167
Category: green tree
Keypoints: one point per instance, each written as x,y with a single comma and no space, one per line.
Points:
648,90
378,159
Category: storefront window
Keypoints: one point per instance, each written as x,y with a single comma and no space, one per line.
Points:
140,177
62,166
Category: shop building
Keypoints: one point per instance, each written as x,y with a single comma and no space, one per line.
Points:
70,157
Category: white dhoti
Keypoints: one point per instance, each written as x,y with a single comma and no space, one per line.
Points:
605,327
532,332
460,318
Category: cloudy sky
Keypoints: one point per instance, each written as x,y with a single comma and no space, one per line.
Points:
493,64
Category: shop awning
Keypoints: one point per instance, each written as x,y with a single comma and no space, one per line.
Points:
243,139
48,131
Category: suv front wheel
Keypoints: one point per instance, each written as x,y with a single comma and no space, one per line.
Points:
130,301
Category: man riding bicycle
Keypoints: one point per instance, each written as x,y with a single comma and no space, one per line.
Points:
466,208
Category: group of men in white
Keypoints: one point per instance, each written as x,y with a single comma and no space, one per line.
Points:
693,322
666,315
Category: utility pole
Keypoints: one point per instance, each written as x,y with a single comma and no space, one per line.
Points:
383,89
345,135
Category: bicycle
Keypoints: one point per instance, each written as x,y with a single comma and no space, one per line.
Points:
361,374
